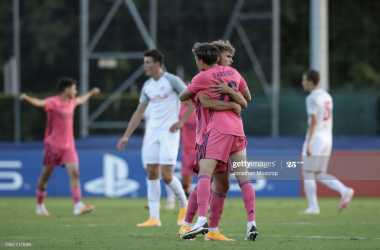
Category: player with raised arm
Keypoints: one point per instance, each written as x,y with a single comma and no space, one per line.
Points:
161,141
316,149
59,144
225,137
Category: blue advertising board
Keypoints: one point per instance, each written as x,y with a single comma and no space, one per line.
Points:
107,173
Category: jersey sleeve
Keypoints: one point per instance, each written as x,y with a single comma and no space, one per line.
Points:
144,97
311,106
196,84
196,96
49,104
242,83
177,84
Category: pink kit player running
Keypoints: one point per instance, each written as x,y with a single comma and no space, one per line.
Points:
59,145
188,149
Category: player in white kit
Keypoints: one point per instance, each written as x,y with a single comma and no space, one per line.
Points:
316,149
170,201
161,140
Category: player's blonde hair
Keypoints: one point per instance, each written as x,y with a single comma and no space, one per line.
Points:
224,46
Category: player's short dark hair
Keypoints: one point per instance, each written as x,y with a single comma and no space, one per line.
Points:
312,75
65,82
155,54
206,52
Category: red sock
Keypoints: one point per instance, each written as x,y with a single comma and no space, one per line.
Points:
203,194
216,208
76,193
40,196
192,206
249,198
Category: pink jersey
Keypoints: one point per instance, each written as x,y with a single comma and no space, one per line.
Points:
59,131
188,131
202,118
226,122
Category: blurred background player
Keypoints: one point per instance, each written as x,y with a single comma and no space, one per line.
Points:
316,149
189,153
161,141
170,201
59,144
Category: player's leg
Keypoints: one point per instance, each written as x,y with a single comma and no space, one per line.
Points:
247,191
187,171
206,170
150,153
154,195
331,181
218,197
169,144
310,187
309,168
170,201
41,190
175,185
76,192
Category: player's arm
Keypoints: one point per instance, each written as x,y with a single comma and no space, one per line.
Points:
223,88
189,111
246,94
133,123
32,100
186,95
313,124
208,103
83,98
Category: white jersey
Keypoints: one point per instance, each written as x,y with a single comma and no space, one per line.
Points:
162,96
320,104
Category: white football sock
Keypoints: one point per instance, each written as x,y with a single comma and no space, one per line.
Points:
176,186
310,187
78,205
187,224
250,224
213,229
154,194
201,220
171,196
331,182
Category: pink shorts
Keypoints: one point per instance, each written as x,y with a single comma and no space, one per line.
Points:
59,157
187,160
219,147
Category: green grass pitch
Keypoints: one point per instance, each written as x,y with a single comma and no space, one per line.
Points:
113,225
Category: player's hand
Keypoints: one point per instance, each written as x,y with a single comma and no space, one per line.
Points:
221,88
237,109
122,142
23,96
95,91
308,150
176,126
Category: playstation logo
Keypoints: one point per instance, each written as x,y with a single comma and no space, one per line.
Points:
114,182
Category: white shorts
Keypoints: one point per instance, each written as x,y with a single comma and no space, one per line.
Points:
320,156
160,148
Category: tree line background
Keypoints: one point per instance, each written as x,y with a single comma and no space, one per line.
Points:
50,40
